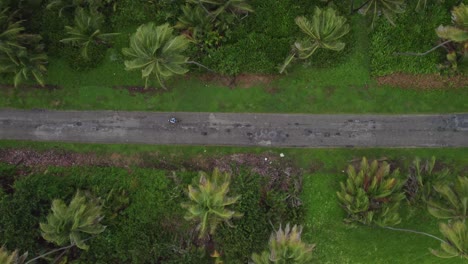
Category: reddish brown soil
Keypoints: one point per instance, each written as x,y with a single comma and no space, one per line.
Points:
279,171
240,81
423,81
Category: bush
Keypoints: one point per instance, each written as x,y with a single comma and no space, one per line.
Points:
96,54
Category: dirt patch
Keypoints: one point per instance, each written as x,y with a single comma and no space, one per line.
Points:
133,90
280,172
423,81
47,87
239,81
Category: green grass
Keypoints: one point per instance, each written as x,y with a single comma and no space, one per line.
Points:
343,88
323,168
339,243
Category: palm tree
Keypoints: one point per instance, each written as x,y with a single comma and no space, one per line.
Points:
156,51
454,203
372,195
286,247
386,7
62,5
194,21
209,201
324,31
459,31
9,34
218,7
11,258
422,178
73,223
26,61
456,240
87,30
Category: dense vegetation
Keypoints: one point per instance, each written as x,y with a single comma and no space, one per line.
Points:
145,220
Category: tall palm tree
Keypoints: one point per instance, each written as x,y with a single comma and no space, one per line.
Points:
454,200
385,7
456,240
286,247
324,31
218,7
86,31
72,224
458,32
209,201
28,61
156,52
194,22
10,33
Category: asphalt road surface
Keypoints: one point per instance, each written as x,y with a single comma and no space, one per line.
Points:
233,129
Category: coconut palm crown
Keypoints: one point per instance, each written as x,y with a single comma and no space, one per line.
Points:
209,201
324,31
156,52
72,224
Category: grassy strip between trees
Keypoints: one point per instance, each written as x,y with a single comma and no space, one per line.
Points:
340,88
152,224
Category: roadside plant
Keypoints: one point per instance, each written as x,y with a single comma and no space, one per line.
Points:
422,4
286,247
194,22
324,31
209,201
371,194
453,200
63,5
87,31
156,52
10,33
73,224
455,240
422,178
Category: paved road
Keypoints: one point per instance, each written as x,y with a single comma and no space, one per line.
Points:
285,130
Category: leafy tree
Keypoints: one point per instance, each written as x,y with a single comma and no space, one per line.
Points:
454,200
456,240
86,31
11,258
209,201
371,194
458,32
422,178
73,223
286,247
156,52
386,7
324,31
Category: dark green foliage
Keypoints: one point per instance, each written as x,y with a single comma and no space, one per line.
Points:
261,209
96,54
414,32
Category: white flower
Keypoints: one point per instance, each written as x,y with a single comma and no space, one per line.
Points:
282,155
266,159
